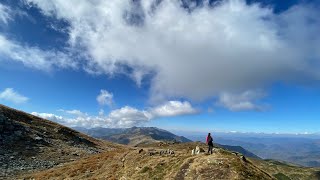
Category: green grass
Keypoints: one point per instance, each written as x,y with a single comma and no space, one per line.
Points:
145,169
281,176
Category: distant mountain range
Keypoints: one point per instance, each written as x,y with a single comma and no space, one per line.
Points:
302,150
133,136
136,136
240,150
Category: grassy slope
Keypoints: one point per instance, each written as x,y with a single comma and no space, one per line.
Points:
129,164
58,144
284,171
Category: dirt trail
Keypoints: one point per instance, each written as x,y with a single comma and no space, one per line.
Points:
184,169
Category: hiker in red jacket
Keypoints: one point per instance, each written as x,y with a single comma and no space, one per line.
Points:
209,143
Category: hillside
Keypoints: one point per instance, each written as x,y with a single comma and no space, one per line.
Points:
150,162
134,136
287,171
139,136
29,143
298,150
240,150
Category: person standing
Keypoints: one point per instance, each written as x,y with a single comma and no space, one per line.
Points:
209,142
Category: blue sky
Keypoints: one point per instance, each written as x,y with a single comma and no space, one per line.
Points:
224,66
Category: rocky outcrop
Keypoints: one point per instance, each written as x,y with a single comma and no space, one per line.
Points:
197,150
10,131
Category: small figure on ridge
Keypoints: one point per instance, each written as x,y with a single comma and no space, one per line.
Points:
209,142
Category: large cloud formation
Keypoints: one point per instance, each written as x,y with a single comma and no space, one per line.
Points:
198,52
195,52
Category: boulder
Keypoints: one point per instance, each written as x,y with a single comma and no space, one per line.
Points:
243,158
2,119
17,133
202,150
38,138
197,151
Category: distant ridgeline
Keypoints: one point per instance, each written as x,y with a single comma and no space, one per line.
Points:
134,135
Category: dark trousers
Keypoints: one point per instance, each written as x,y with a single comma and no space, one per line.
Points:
210,147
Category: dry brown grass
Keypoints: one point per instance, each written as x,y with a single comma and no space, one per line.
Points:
129,164
57,144
291,171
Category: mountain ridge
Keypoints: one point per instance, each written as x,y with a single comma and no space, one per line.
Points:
31,143
134,136
139,136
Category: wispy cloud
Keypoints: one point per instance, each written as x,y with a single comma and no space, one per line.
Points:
105,98
244,101
5,12
33,56
10,95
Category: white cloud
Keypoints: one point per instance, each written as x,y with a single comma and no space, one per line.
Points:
30,56
101,112
5,14
172,108
9,94
33,56
74,112
120,118
231,46
105,98
52,117
241,101
123,117
127,117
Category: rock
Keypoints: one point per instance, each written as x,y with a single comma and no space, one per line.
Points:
197,150
235,153
17,133
10,127
202,150
38,138
75,154
168,151
244,158
2,119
